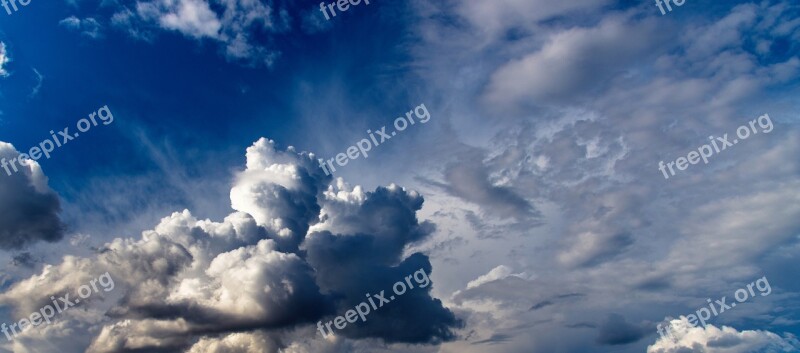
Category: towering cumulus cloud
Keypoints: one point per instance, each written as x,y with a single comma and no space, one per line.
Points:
298,249
28,208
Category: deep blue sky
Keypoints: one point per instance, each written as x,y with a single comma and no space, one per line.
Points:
183,91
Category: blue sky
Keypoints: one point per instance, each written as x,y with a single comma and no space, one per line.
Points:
533,195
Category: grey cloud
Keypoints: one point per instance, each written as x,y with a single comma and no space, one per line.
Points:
366,257
198,285
617,331
24,259
468,178
613,213
29,210
574,62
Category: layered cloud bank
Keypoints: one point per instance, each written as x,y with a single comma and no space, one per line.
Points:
299,248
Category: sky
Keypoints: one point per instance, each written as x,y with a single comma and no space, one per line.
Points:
228,176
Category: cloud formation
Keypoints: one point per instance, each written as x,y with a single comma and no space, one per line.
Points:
233,24
29,210
711,339
247,284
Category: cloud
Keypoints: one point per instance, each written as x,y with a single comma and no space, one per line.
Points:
469,179
574,62
689,339
39,80
255,282
235,343
496,17
583,145
193,18
234,24
88,26
617,331
4,59
497,273
29,210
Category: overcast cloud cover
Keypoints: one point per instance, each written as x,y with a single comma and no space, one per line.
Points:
532,197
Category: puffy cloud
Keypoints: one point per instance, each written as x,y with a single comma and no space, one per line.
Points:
358,249
710,339
235,343
29,210
280,191
193,18
259,282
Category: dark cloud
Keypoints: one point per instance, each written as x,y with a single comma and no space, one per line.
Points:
24,259
617,331
370,260
495,339
29,210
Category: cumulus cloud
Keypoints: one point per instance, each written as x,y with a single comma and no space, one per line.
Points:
29,210
235,343
710,339
305,250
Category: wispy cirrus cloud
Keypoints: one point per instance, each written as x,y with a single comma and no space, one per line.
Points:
233,24
88,27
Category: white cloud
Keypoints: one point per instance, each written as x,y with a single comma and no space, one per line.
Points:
4,59
234,24
196,285
494,17
193,18
689,339
88,26
497,273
